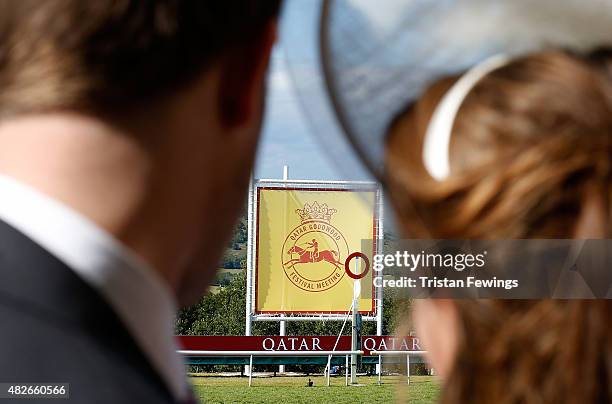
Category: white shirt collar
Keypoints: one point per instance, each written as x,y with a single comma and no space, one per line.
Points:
138,295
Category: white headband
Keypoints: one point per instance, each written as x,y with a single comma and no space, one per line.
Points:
436,144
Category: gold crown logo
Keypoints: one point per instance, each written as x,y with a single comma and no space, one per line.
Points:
315,212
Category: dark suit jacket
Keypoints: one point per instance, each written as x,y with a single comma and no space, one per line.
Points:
56,328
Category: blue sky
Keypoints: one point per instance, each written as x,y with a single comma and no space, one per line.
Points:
287,137
302,139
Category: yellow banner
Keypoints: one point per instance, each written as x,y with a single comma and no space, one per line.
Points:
303,239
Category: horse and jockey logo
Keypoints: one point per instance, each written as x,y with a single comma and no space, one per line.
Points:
313,253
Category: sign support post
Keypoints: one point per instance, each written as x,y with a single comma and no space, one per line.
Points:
354,342
283,323
379,290
355,331
249,266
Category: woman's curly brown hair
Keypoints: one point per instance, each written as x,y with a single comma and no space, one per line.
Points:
531,157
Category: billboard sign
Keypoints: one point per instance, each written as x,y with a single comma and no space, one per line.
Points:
303,239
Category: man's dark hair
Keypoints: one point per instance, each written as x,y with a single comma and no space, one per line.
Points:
113,54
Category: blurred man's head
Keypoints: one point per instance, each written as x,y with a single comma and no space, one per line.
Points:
115,56
143,115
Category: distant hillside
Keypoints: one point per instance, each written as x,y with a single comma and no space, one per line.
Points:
234,258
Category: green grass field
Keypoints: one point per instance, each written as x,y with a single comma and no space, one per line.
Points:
210,389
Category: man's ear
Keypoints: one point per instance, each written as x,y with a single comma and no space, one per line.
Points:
242,80
438,326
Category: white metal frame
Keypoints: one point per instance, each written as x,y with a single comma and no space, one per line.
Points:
252,354
252,253
395,353
329,355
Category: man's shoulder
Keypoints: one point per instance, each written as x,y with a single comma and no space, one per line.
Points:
56,328
37,348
